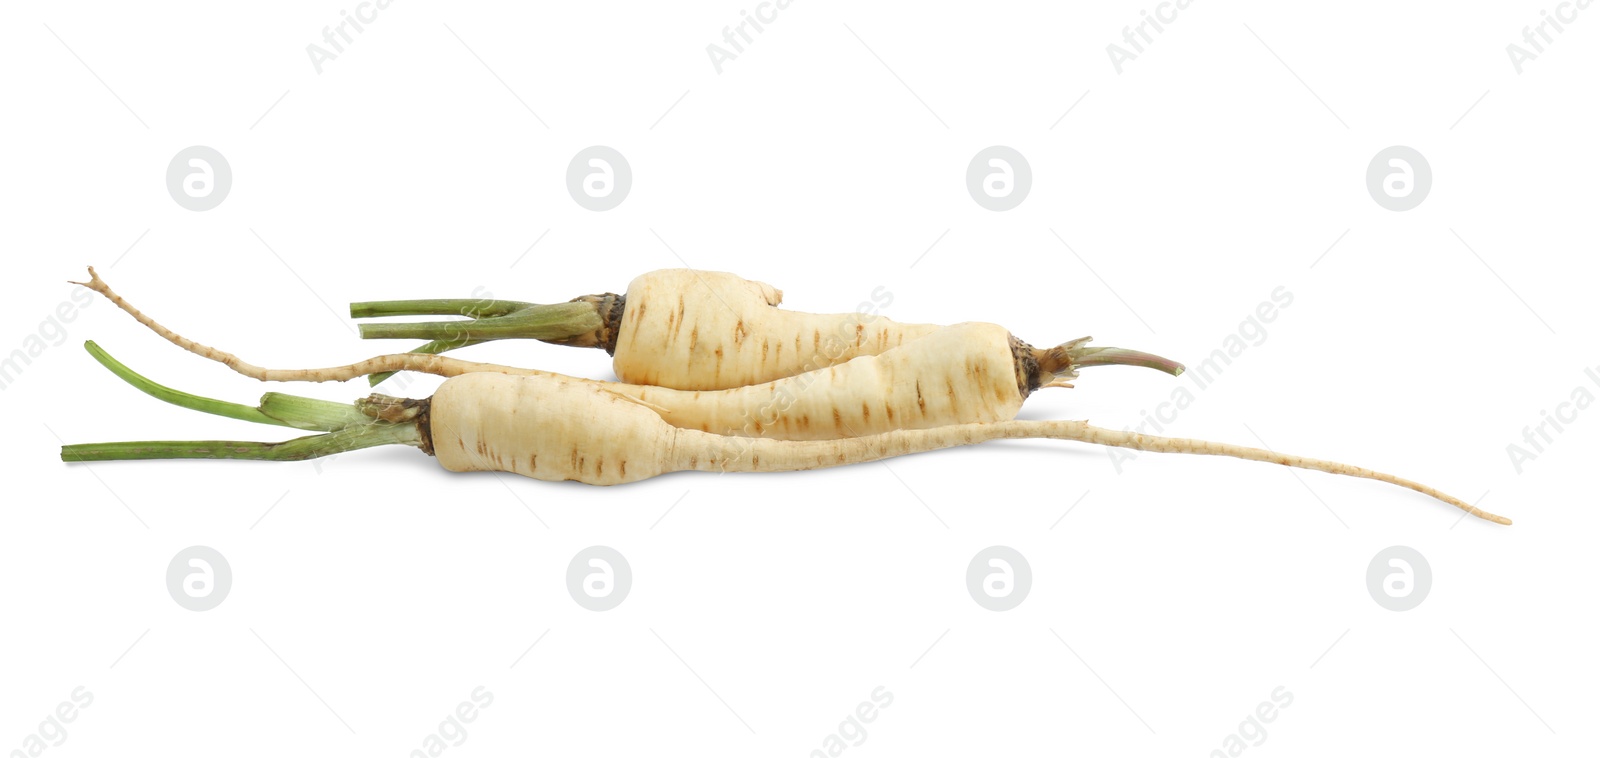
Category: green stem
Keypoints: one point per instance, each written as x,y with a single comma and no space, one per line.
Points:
436,307
180,399
348,426
298,449
276,408
557,321
311,413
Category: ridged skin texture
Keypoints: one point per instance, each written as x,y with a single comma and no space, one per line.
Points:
547,428
707,330
556,428
964,373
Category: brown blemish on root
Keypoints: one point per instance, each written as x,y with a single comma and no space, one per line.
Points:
425,426
1029,374
922,405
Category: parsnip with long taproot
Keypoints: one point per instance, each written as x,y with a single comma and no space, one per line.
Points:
966,373
700,330
559,428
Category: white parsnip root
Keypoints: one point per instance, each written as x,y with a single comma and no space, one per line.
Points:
558,430
966,373
552,427
709,330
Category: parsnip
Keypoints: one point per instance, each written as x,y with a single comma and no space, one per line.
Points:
966,373
704,330
958,374
560,429
690,330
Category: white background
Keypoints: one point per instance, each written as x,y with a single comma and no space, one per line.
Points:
374,592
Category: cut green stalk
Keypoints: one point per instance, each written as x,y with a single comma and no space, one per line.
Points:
374,421
1084,357
297,449
437,307
541,322
276,408
311,413
560,323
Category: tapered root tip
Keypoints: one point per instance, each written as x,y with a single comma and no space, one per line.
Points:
94,279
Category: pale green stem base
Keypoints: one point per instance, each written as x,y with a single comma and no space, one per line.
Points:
348,426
